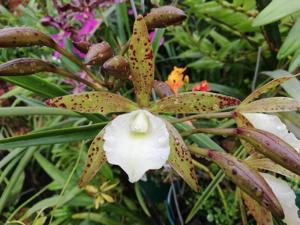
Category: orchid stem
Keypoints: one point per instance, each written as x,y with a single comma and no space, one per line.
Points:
78,62
72,76
218,115
217,131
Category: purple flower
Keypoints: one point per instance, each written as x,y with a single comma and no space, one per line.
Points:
152,35
78,86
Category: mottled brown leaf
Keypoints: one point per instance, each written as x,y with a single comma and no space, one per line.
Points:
93,102
141,62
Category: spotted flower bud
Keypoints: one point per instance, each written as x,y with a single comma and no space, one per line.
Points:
98,54
82,46
22,37
162,89
25,66
117,66
164,16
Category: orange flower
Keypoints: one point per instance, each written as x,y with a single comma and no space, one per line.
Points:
175,79
202,86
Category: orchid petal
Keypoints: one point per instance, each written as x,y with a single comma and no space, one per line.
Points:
286,198
137,142
96,158
141,62
93,102
273,124
180,159
194,102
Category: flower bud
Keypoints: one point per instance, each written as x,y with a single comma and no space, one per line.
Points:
164,16
25,66
22,37
246,178
272,147
99,53
117,66
162,89
82,46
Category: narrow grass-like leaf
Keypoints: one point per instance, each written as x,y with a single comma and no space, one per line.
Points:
141,62
15,176
140,198
94,102
194,102
35,110
53,136
36,85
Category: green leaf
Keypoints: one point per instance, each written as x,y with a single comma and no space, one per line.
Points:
36,85
50,169
291,43
34,110
53,136
275,104
276,10
206,63
141,62
194,102
295,62
95,159
180,159
94,102
140,198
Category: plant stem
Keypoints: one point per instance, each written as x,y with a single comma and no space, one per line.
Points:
78,62
218,115
217,131
35,110
65,73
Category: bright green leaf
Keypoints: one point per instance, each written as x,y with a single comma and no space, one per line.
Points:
276,10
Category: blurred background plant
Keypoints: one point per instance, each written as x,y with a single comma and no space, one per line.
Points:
228,47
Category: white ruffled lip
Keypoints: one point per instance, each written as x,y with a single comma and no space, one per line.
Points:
286,198
137,142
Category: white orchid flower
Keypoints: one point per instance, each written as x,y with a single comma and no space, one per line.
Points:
272,124
137,142
286,198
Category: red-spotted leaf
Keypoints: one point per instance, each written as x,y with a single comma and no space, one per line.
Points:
180,158
246,178
259,213
95,159
141,62
194,102
272,147
275,104
265,88
93,102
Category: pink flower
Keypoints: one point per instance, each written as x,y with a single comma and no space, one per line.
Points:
152,35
